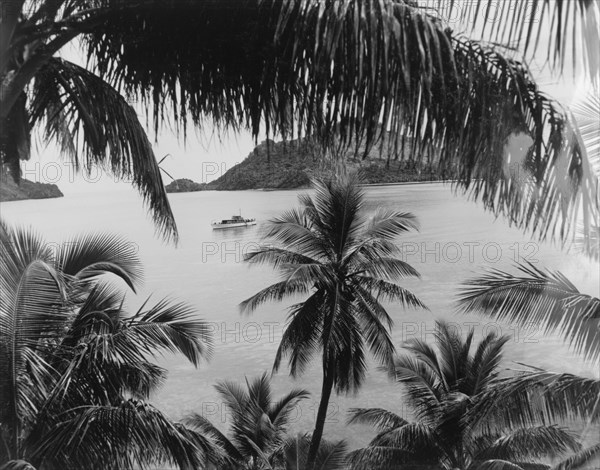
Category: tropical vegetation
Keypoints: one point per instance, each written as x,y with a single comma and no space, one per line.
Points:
294,452
441,390
347,264
258,425
550,301
76,363
340,71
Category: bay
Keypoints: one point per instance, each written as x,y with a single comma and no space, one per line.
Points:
457,240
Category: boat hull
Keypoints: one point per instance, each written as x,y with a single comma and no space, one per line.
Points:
232,225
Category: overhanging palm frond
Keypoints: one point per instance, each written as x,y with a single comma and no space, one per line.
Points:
122,436
99,128
538,297
570,25
587,114
350,70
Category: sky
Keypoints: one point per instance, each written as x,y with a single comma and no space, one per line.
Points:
205,155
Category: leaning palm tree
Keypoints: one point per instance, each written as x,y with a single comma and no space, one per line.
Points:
76,364
346,264
258,427
441,389
336,70
550,301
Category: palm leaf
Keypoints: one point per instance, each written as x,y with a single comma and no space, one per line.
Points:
535,397
89,256
350,71
104,129
539,297
172,326
580,459
531,443
570,25
126,435
379,418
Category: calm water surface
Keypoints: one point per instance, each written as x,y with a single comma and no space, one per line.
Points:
457,240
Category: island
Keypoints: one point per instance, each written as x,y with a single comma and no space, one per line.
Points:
292,164
25,189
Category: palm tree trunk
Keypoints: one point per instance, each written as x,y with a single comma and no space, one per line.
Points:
321,416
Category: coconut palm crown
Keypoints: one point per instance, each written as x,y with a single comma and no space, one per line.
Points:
76,364
346,264
440,388
549,300
259,424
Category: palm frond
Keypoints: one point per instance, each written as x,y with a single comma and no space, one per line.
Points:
498,464
277,292
331,454
31,314
570,25
123,436
534,397
105,132
540,297
580,459
89,256
537,442
378,458
300,338
172,326
356,70
280,411
209,430
388,224
380,419
386,291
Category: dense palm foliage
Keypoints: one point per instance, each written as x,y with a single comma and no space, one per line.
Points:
76,364
347,264
441,390
294,452
258,423
550,301
340,71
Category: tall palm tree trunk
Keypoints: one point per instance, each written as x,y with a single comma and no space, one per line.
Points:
321,416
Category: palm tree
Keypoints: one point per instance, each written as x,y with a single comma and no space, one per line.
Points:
76,364
258,425
335,70
347,265
549,300
294,452
441,389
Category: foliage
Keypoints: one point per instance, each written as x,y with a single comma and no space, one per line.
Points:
550,300
258,426
76,364
346,264
341,72
446,393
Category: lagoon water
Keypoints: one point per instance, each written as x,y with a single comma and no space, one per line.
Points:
457,240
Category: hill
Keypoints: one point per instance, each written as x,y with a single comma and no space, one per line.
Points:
292,164
10,191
